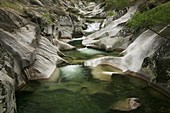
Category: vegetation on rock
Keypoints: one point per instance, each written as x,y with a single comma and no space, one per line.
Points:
156,16
117,4
11,5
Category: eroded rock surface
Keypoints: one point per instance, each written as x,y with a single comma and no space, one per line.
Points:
106,37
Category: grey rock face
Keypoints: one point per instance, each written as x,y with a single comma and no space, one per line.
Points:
32,56
46,60
7,83
162,65
9,20
105,37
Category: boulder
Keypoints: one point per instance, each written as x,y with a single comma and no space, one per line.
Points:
128,104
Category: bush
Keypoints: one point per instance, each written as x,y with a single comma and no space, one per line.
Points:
155,16
117,4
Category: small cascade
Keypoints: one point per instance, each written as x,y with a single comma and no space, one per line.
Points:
91,27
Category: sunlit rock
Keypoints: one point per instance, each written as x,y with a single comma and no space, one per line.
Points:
134,54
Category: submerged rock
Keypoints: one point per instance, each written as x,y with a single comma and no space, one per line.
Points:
104,72
126,105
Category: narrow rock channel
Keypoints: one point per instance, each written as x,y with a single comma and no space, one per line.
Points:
79,89
74,56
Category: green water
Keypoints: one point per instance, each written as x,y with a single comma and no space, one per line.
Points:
82,54
80,93
76,91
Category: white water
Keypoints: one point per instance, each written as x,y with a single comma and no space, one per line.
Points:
89,51
91,27
72,72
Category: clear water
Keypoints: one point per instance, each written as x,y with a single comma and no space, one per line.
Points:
82,54
78,92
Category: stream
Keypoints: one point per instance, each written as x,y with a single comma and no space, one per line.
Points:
78,92
74,89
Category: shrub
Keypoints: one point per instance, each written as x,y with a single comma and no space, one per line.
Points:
155,16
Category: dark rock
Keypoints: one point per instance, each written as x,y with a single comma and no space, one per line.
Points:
9,20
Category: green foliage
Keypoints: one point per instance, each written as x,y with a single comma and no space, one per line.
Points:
47,17
117,4
111,13
155,16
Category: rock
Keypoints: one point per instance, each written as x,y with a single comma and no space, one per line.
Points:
128,104
77,32
19,47
104,72
46,59
110,44
9,20
62,45
134,54
101,38
7,83
36,2
28,55
14,43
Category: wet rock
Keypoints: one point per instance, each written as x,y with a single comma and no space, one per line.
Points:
104,72
128,104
